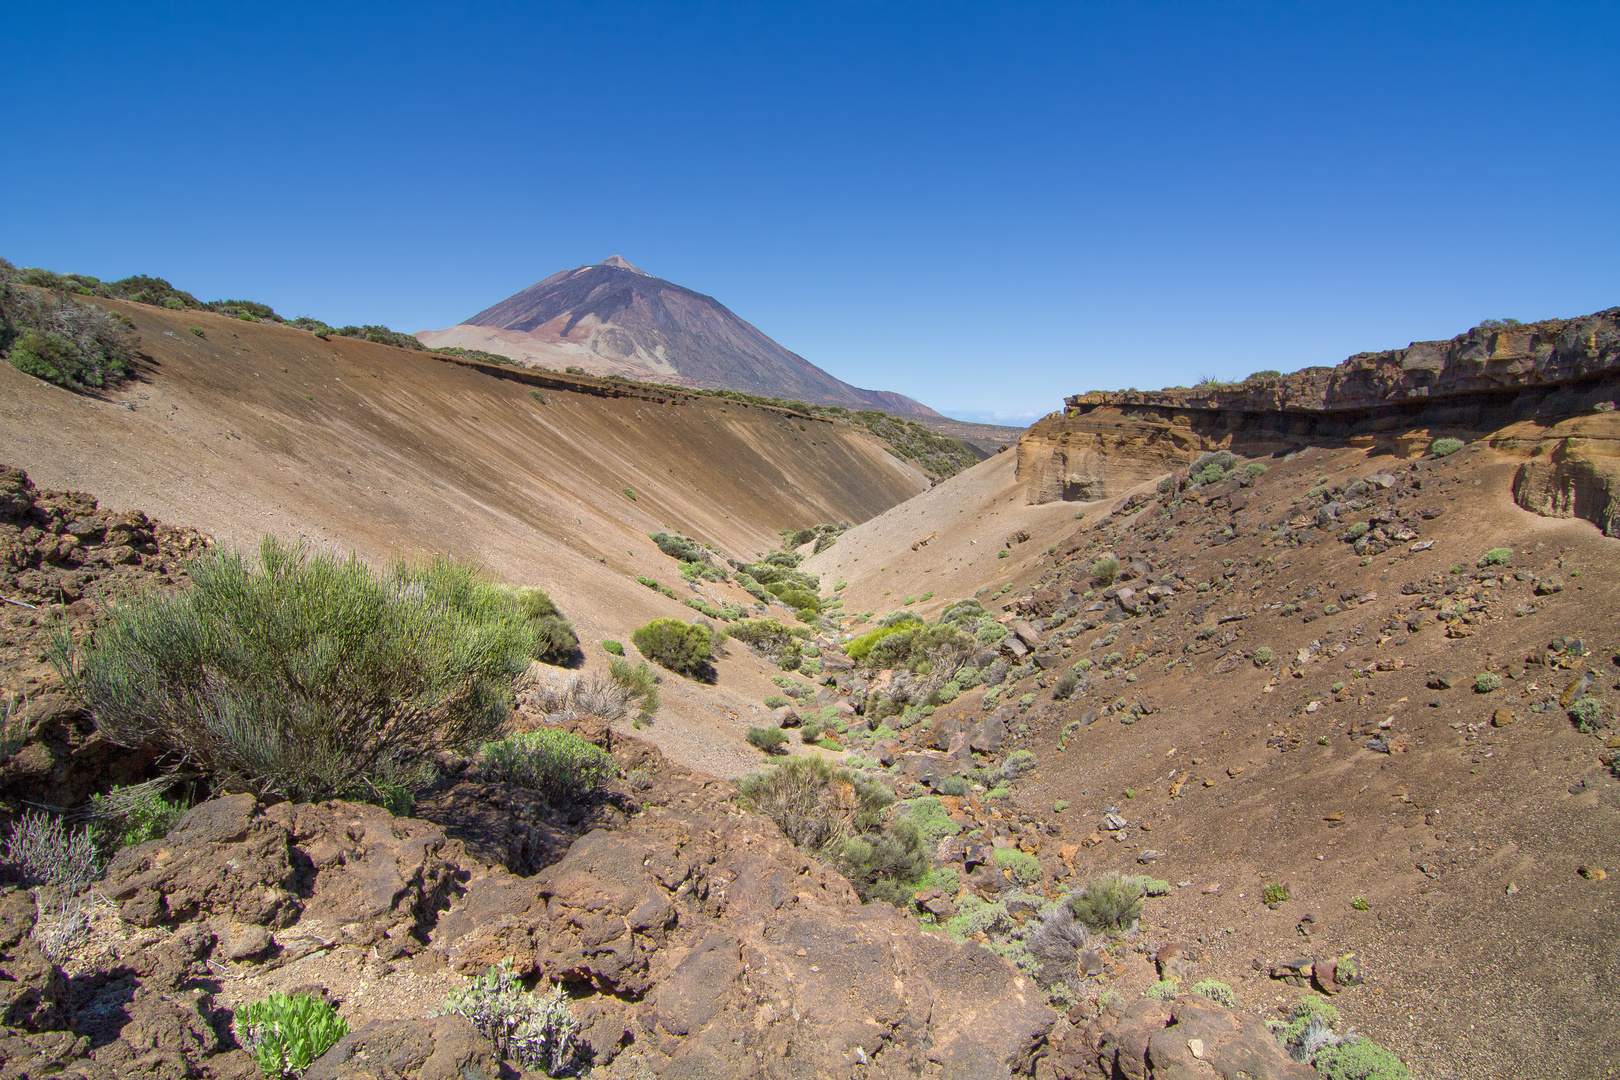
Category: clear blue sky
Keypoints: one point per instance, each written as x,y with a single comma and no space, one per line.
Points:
985,206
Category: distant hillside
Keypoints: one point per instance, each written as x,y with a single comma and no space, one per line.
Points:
614,319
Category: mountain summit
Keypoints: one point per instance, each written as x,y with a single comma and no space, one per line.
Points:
616,319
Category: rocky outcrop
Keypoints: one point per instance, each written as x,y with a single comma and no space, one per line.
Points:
1105,442
1175,1040
706,942
1572,468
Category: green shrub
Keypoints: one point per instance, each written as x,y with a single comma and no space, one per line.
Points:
1359,1059
810,732
559,764
1103,571
1018,763
1210,474
126,816
1022,866
286,1034
1445,447
75,345
613,647
953,785
1275,893
1496,556
772,740
555,640
1589,714
684,648
1360,903
1357,531
811,802
310,676
1217,992
639,679
1163,990
1262,656
1253,470
535,1030
840,586
1111,903
1003,554
631,495
1486,682
1066,685
775,701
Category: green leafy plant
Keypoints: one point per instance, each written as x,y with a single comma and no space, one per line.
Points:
1218,992
535,1030
1486,682
197,330
1357,531
614,647
1445,447
286,1034
559,764
1262,656
638,679
126,816
1163,990
1275,893
310,676
1360,903
631,495
1066,685
1496,556
684,648
771,740
1104,570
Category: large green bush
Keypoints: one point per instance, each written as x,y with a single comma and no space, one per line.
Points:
555,640
309,676
559,764
682,647
75,345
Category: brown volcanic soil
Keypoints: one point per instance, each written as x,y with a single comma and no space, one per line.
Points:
257,428
1487,952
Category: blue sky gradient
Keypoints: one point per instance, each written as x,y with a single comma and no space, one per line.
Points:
985,206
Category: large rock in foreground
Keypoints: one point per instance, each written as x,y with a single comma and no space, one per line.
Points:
714,948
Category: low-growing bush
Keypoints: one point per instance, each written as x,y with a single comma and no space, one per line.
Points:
559,764
1589,714
43,851
810,732
684,648
537,1031
1445,447
1275,893
1357,531
1023,867
771,740
614,647
1495,556
836,815
1262,656
1163,990
1217,992
639,679
1359,1059
1486,682
1254,469
1104,570
1110,904
1066,685
309,676
286,1034
555,640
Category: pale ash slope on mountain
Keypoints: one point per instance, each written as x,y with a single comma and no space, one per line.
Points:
615,319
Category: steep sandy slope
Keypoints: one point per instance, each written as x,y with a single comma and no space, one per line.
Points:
966,521
256,428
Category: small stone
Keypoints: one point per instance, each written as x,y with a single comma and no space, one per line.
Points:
1148,856
1593,873
244,941
1195,1047
1502,718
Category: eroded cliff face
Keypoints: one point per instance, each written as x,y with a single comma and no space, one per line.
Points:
1545,391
